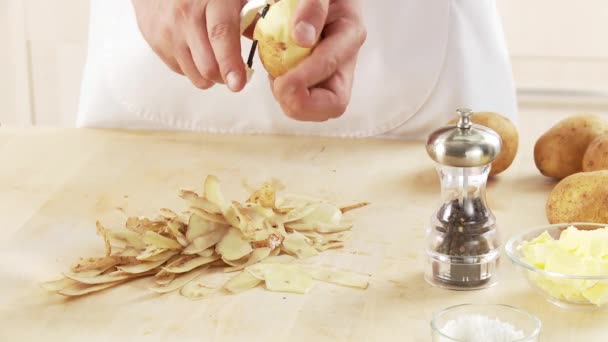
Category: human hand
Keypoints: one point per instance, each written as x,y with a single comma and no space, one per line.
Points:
319,88
196,38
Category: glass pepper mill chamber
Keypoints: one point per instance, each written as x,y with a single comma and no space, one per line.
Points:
462,243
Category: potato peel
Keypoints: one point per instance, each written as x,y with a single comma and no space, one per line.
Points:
141,225
331,245
279,259
207,252
175,228
58,285
128,238
159,241
101,279
297,244
214,194
264,237
282,277
233,245
80,289
199,202
216,218
265,196
182,266
179,281
163,277
94,265
168,214
101,230
205,242
342,278
142,267
153,253
352,207
194,290
242,282
256,256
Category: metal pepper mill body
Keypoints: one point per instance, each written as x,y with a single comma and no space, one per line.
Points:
462,243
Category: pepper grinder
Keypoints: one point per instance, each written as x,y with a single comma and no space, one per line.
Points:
462,244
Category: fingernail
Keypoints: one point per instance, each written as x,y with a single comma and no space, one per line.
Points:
305,33
233,80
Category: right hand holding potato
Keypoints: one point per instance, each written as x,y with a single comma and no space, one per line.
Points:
196,38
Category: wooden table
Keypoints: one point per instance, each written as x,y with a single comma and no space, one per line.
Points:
54,184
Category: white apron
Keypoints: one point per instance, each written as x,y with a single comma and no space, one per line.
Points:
423,59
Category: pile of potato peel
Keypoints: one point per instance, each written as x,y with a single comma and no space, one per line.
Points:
260,241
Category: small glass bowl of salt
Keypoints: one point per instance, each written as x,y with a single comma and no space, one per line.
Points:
485,323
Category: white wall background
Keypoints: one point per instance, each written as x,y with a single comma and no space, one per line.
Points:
559,50
41,59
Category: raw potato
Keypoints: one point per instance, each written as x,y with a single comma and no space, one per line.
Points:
559,152
596,156
278,51
582,197
508,134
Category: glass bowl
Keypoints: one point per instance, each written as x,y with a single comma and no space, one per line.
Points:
445,322
570,291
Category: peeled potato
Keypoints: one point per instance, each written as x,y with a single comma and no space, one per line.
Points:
508,134
278,51
596,156
582,197
559,152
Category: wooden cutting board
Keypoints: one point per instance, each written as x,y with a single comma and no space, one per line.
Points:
54,184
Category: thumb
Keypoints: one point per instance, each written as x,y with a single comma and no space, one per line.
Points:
309,20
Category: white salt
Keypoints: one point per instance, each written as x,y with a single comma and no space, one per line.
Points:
477,328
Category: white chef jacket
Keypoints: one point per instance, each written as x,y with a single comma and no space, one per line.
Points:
422,60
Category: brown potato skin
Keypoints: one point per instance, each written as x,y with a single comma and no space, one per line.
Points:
558,153
596,156
508,133
582,197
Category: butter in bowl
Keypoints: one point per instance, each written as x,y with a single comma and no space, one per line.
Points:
566,263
